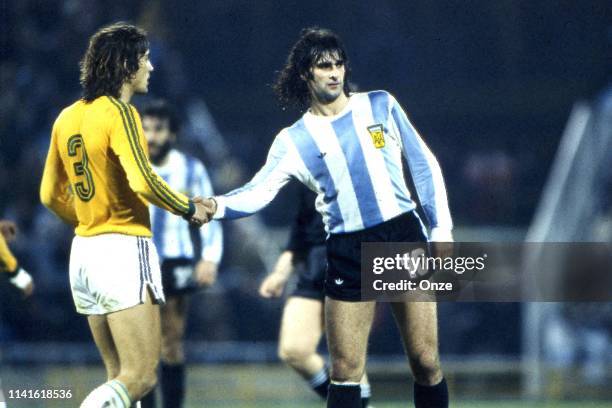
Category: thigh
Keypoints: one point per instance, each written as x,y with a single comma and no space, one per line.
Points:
136,332
347,329
343,275
418,326
302,323
103,338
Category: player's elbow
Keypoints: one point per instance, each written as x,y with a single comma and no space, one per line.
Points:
49,202
141,191
140,187
46,197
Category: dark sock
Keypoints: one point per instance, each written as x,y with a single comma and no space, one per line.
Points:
366,393
435,396
322,389
320,383
148,401
173,384
344,396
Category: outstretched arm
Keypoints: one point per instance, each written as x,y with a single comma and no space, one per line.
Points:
129,144
265,185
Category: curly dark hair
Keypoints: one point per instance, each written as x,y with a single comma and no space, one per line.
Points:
313,44
161,109
112,57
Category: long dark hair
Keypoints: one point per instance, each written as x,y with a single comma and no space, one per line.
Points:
314,43
112,58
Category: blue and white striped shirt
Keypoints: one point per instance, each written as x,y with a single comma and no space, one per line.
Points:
353,161
171,234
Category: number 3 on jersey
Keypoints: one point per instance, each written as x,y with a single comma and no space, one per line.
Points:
85,190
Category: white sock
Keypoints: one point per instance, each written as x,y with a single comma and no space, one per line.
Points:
112,394
366,390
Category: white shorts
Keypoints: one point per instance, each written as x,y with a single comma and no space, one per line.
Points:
111,272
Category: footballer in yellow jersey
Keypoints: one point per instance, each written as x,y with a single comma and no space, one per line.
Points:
98,178
8,263
98,175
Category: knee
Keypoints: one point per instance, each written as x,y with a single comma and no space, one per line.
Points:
294,354
426,366
172,351
347,369
142,381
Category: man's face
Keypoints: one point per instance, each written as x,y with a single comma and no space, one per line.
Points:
140,82
327,82
159,137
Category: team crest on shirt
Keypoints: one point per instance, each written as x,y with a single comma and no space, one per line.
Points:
378,135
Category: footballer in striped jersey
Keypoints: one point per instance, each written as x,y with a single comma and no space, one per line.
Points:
189,258
348,148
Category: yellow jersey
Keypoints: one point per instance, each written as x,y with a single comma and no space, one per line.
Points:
8,263
97,175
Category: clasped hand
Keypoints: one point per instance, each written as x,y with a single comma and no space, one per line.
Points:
205,209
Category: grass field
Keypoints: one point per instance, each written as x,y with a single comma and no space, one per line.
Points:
294,404
245,386
287,404
457,404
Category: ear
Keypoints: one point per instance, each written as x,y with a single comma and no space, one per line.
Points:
129,79
305,76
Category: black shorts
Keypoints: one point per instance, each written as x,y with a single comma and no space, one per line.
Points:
343,279
177,276
311,276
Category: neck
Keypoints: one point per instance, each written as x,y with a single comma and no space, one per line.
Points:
329,109
126,92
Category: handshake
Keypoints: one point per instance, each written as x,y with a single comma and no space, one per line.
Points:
205,208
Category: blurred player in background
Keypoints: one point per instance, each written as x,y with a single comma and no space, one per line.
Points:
97,177
189,258
348,148
303,323
9,267
8,263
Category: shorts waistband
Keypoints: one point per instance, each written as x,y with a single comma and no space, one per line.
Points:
407,216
